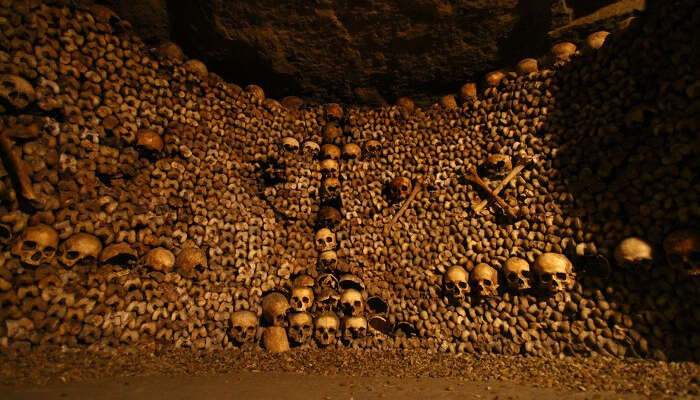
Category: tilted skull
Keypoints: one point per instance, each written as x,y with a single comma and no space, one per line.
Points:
498,165
160,259
328,260
682,249
400,187
302,299
244,326
330,151
81,248
119,254
330,189
484,280
328,217
326,329
325,240
633,252
517,273
290,145
301,327
191,260
36,245
310,149
352,303
275,308
554,272
354,328
329,168
327,300
372,148
456,283
16,91
351,151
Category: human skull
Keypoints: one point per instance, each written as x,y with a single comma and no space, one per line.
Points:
325,240
311,149
290,145
517,273
373,148
196,67
456,283
330,151
350,281
275,308
330,188
327,281
554,272
160,259
406,104
36,245
400,187
595,40
256,92
149,141
352,303
327,300
170,51
244,326
334,111
303,280
275,340
301,327
498,165
683,250
448,102
484,280
80,248
328,260
351,151
329,168
329,217
563,51
191,260
302,299
16,91
468,91
119,254
326,329
527,66
494,78
633,252
331,133
354,328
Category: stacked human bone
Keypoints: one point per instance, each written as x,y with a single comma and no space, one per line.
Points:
145,200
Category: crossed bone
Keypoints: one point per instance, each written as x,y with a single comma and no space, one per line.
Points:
473,177
14,164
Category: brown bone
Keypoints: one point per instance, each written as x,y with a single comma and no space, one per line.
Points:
416,188
511,175
14,164
473,177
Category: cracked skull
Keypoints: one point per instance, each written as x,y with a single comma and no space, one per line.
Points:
326,329
301,327
302,299
244,326
352,303
554,272
325,240
80,248
456,282
275,308
683,250
517,273
484,280
36,245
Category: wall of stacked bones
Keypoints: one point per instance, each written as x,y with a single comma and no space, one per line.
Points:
550,210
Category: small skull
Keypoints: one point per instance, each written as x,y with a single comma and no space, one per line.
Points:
373,148
351,151
149,141
554,272
191,260
301,327
633,252
290,145
352,303
329,168
326,329
333,111
160,259
354,328
302,299
328,260
498,165
330,151
484,280
244,327
327,300
16,91
328,217
330,189
80,248
517,272
275,308
327,281
37,245
119,254
683,250
325,240
331,133
456,283
310,149
400,187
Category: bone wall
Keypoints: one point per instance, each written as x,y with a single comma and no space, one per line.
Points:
145,200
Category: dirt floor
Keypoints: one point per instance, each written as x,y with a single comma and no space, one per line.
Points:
150,373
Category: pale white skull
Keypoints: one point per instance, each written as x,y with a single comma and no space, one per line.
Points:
302,299
290,145
329,168
301,327
517,273
275,308
80,248
484,280
328,260
354,328
327,300
633,252
352,303
36,245
554,272
326,329
325,240
683,250
311,149
330,188
160,259
244,326
456,283
16,91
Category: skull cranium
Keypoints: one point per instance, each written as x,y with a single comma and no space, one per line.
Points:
37,245
329,168
80,248
633,251
310,149
328,217
351,151
330,151
517,273
328,260
160,259
400,187
554,272
456,283
191,260
301,327
327,300
302,299
484,280
16,91
352,302
326,329
275,307
325,240
244,326
290,145
683,250
354,328
330,188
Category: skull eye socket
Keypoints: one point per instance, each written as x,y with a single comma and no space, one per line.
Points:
49,250
305,299
238,329
487,282
561,275
28,245
525,273
331,330
72,255
512,276
329,239
449,285
357,303
545,277
462,285
404,188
